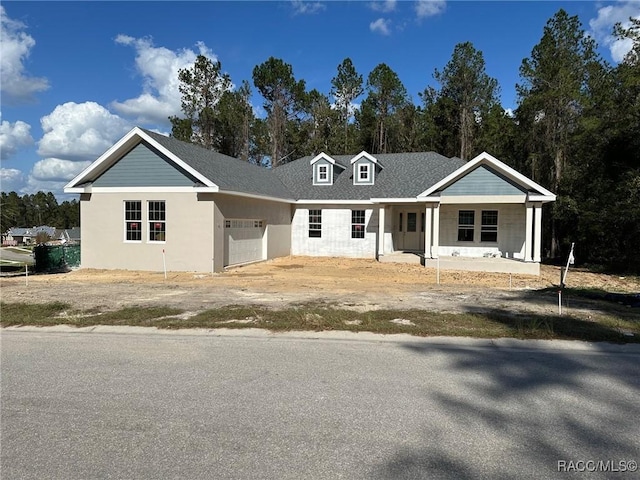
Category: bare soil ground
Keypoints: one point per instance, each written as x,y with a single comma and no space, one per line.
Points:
349,283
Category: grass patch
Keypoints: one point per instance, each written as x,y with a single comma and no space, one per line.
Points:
323,317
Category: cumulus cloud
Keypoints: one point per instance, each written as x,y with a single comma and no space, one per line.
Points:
301,7
57,170
80,131
11,180
385,6
381,26
13,136
602,27
158,66
429,8
16,84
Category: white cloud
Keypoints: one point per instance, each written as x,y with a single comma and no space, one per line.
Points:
11,180
429,8
385,6
56,169
602,27
158,66
13,136
301,7
381,26
15,83
80,131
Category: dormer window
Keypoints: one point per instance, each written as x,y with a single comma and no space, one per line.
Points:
323,172
323,169
363,172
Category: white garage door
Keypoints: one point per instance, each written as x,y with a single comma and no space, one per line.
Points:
243,241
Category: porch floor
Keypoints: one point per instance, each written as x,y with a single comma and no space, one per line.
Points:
471,264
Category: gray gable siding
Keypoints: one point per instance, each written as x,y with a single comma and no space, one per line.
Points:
483,180
356,170
143,166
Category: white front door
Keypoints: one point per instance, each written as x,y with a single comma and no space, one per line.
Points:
408,230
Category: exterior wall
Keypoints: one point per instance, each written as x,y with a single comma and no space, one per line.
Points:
189,233
144,167
511,231
336,232
276,215
483,181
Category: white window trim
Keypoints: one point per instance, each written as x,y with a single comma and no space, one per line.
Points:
466,226
363,224
141,222
309,230
489,228
357,177
316,174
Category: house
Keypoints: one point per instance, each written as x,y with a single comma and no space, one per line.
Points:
152,198
26,236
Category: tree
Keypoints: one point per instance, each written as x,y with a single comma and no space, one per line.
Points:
471,90
346,86
552,96
233,121
283,96
386,96
201,87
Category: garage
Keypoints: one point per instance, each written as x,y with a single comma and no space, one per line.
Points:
244,241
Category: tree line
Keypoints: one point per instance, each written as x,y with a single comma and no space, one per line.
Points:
576,129
36,210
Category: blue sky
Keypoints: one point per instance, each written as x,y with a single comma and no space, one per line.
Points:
76,76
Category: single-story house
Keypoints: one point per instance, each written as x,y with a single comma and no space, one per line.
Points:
26,236
151,199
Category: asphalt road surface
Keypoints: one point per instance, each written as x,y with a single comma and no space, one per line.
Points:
132,405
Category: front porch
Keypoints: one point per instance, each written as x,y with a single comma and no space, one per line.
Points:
469,264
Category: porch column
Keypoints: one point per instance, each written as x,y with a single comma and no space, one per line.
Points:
537,232
528,232
381,221
436,231
427,230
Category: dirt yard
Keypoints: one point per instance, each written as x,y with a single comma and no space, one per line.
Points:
350,283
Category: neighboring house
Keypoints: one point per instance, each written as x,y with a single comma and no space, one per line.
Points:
26,236
151,196
69,235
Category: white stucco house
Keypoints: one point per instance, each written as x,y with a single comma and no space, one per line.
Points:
151,196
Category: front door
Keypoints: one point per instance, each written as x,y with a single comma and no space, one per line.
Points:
408,230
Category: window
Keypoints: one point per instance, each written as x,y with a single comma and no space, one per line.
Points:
489,228
157,218
466,220
323,173
357,223
363,172
422,222
315,223
400,222
133,220
412,219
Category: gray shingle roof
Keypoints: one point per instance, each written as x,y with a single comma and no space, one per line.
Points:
228,173
404,175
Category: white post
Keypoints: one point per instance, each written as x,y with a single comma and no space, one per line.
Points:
537,233
560,301
436,231
528,233
428,220
26,276
213,267
381,221
164,264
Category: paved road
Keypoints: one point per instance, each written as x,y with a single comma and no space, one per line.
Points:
14,256
149,406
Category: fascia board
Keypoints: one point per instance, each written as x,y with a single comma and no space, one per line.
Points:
322,156
335,202
366,155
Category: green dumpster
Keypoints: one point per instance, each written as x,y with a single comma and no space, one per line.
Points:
56,258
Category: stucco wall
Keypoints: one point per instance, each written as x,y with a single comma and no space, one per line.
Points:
336,232
511,231
189,233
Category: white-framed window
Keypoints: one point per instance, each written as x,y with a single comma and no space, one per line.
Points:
243,223
157,220
466,222
357,223
323,173
315,223
363,172
133,221
489,227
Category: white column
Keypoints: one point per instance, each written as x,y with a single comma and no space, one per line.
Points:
427,230
528,232
436,231
537,232
381,221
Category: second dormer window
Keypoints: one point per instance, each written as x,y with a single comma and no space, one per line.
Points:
323,173
363,172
